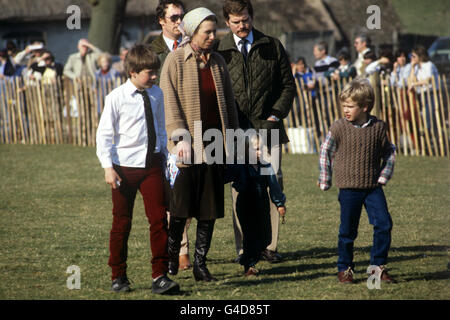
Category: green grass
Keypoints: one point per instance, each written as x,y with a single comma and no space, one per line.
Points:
56,212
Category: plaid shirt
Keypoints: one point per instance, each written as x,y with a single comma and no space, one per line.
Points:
328,150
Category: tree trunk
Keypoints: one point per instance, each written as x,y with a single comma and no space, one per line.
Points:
106,25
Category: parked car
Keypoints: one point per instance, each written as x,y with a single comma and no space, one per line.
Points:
439,53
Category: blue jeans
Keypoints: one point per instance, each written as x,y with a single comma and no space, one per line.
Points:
374,201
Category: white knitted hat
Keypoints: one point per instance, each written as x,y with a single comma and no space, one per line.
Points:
192,20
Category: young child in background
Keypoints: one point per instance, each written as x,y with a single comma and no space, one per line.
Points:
131,146
251,181
357,149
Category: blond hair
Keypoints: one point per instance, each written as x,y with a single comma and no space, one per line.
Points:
104,55
360,91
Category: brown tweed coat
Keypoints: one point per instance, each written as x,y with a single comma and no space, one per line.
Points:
180,85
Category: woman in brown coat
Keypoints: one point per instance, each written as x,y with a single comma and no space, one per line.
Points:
197,90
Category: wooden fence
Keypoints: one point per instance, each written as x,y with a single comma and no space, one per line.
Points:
418,123
67,112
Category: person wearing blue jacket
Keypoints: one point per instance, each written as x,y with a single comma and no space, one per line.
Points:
251,181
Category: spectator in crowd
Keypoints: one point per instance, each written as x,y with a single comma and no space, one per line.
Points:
304,75
103,75
419,80
361,43
324,64
12,49
82,63
345,70
368,58
264,97
383,64
119,65
401,69
105,71
300,70
7,68
44,68
169,14
398,79
27,56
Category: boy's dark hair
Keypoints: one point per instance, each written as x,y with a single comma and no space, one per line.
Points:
359,90
162,7
302,59
344,54
401,52
235,7
141,57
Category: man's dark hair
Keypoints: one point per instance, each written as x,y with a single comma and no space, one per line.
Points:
141,57
235,7
162,8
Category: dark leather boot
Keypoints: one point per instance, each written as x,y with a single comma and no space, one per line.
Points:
176,228
202,243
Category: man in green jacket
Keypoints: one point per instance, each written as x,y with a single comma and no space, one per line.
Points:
264,90
169,14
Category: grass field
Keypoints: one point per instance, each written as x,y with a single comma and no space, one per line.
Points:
56,212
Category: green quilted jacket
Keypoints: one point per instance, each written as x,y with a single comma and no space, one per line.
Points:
158,45
263,85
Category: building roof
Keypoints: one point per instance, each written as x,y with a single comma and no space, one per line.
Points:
351,16
32,10
298,15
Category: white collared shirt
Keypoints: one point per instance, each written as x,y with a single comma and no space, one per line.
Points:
122,130
169,42
249,41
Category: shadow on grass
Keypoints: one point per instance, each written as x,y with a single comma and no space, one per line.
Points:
322,253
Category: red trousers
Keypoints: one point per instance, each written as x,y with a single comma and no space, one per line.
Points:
149,182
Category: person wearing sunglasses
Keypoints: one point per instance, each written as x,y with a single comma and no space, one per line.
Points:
169,14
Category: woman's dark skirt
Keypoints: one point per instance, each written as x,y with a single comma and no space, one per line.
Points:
198,192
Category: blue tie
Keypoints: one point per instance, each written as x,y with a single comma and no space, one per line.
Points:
243,43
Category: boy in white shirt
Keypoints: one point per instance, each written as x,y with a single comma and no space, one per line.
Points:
131,147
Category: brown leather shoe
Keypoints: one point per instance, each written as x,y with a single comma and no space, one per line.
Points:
346,276
185,263
252,271
382,270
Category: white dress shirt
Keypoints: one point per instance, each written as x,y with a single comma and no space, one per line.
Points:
122,130
169,42
249,41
